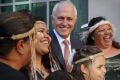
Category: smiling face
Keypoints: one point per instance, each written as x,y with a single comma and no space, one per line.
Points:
42,38
96,70
64,20
103,36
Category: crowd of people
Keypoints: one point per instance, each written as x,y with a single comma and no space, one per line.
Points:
28,51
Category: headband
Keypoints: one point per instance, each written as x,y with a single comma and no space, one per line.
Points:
22,35
92,28
38,22
88,58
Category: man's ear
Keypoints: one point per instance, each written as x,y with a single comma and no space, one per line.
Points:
76,20
20,46
84,69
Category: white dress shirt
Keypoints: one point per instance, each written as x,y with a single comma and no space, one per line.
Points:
62,46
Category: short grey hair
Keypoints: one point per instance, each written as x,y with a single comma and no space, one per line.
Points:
60,4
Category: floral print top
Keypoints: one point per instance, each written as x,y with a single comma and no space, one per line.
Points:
113,68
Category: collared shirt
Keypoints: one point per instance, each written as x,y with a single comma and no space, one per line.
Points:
62,46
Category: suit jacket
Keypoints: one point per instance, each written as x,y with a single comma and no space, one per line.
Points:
57,52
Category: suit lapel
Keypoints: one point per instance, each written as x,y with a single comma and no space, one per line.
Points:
57,50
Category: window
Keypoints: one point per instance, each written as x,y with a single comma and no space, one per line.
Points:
20,0
23,6
5,1
40,9
6,9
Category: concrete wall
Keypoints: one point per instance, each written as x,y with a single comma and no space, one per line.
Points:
108,8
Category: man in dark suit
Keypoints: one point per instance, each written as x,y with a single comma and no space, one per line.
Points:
64,17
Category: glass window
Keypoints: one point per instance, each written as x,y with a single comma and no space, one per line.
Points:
40,9
6,1
6,9
52,3
82,17
20,0
20,7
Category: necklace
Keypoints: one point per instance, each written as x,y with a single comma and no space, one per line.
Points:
42,73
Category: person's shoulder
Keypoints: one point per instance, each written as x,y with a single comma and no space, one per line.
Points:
8,73
11,76
74,39
75,42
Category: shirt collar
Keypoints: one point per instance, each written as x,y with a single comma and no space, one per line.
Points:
60,39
